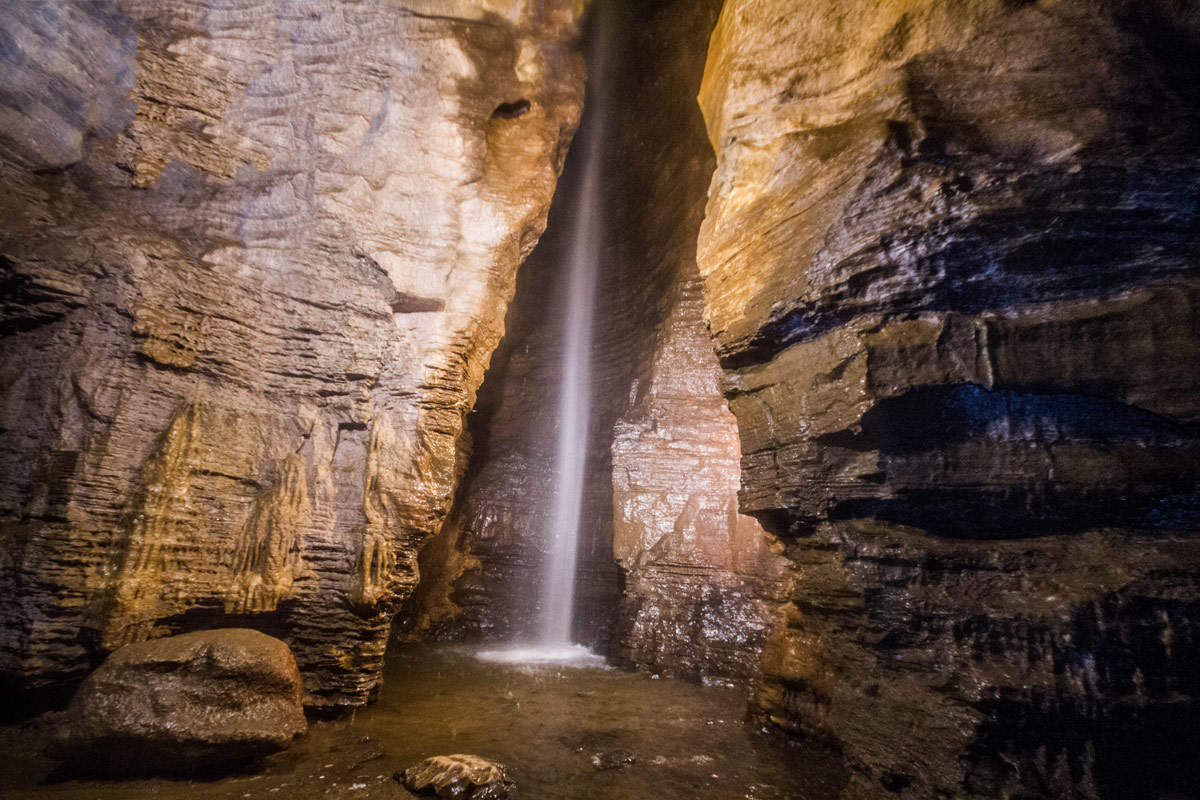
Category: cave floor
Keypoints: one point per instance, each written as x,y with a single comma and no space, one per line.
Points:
547,723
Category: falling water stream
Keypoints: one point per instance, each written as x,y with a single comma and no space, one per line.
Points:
557,604
574,400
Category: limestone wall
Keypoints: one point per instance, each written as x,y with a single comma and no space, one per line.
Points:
256,256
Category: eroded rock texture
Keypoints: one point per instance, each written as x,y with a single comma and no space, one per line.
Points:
255,257
699,584
702,582
483,575
460,776
949,263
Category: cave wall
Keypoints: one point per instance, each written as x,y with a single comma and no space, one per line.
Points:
702,582
949,263
672,577
255,258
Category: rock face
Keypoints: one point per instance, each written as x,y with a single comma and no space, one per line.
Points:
949,264
462,777
183,704
255,257
482,574
702,582
699,584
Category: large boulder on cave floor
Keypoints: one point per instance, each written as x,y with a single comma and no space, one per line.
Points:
199,701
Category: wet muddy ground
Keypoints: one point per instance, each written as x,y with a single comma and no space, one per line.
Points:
565,733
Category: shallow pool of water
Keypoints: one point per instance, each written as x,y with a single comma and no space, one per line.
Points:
549,723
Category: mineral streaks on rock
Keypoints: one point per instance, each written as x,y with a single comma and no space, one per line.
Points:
184,704
246,311
949,263
267,559
149,551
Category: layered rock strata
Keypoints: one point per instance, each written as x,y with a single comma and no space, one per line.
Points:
949,263
256,256
699,584
702,582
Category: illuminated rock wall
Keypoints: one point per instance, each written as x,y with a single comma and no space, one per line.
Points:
255,256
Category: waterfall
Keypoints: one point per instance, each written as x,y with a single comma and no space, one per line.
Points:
574,410
578,301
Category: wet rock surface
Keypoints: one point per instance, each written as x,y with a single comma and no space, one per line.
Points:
462,777
189,704
613,759
949,264
255,258
702,582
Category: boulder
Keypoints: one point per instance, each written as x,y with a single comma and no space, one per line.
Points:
199,701
461,777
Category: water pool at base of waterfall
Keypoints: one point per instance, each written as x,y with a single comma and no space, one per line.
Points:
565,732
565,655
